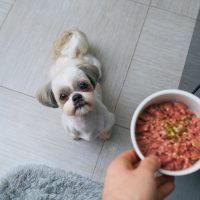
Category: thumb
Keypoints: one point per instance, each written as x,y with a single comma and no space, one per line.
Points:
152,163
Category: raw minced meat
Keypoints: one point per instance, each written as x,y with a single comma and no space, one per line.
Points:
170,131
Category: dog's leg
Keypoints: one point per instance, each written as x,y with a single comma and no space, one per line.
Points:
105,135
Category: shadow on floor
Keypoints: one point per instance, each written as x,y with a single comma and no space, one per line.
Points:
191,73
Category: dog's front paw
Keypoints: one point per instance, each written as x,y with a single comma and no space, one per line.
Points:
105,135
74,136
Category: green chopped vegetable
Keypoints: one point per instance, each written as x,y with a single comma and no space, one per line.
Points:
173,130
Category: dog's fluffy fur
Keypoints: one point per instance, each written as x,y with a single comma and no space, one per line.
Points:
74,87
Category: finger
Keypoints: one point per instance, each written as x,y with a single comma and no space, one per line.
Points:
152,163
128,156
126,159
165,189
164,179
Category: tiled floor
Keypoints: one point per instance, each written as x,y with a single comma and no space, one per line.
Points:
143,45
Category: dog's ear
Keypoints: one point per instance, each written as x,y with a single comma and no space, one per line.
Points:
46,97
71,44
92,72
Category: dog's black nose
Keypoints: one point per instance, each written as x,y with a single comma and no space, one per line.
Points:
77,97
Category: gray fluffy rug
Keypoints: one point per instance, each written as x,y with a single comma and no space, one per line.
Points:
45,183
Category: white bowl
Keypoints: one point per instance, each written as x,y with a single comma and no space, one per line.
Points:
188,99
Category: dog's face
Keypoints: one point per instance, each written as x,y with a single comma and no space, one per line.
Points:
72,90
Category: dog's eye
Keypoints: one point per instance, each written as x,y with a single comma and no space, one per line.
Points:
63,97
84,86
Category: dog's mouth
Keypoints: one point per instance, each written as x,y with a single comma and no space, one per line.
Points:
80,104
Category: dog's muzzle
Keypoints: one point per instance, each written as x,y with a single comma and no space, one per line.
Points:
78,101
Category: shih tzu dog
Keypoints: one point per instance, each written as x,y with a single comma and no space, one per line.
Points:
74,86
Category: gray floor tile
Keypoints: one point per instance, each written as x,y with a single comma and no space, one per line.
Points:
158,61
188,8
30,133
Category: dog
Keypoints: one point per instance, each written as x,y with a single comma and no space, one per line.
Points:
74,87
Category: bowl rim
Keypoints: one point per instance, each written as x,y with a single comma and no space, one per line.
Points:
189,170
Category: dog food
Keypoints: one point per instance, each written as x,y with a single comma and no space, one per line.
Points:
170,131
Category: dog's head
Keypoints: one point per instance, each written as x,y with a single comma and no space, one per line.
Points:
72,90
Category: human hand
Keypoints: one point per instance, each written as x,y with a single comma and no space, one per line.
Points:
128,178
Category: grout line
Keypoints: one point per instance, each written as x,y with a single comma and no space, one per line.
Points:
152,6
10,89
7,3
173,12
121,126
131,60
144,4
12,5
92,176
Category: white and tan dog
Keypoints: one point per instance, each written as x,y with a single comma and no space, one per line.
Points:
74,87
